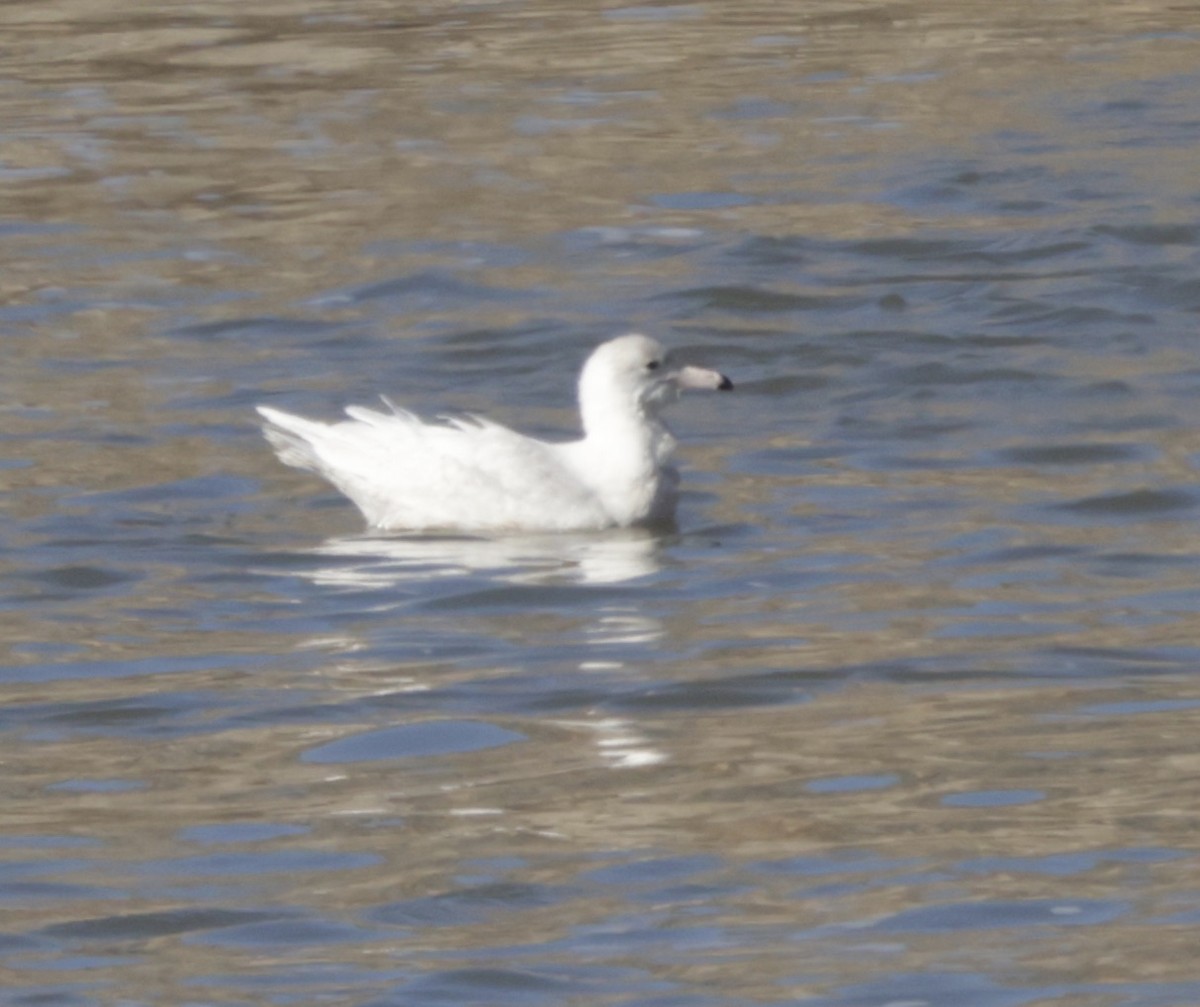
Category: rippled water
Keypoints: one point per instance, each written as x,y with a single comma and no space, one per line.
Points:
905,713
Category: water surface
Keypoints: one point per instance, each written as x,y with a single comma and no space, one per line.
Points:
904,712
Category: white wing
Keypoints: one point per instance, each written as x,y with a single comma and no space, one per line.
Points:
403,472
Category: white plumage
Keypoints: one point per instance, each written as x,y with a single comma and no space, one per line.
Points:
470,474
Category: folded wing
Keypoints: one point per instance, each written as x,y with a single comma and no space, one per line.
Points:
404,472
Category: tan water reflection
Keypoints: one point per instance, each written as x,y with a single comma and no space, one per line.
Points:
288,131
1091,774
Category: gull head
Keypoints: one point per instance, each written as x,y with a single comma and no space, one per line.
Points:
635,374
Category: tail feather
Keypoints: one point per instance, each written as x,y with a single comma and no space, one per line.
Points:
293,438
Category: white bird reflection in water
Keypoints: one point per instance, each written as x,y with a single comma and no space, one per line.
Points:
543,563
376,561
454,579
622,746
623,625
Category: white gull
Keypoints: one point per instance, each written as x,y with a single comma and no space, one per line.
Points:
469,474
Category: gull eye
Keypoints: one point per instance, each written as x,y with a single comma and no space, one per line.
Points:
653,365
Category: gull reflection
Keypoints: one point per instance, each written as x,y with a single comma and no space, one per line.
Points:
619,625
374,561
620,744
